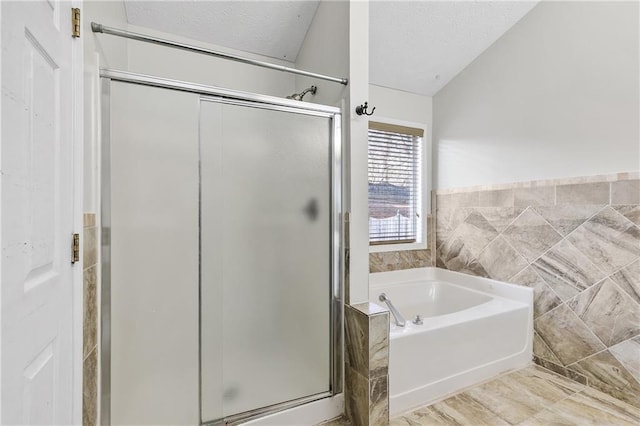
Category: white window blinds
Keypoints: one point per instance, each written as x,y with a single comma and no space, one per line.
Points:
394,183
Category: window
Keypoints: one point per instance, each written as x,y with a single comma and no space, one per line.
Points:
395,184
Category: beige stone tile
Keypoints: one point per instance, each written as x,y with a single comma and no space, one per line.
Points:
90,310
357,398
560,370
534,196
461,260
566,335
583,193
611,314
379,400
447,220
500,260
609,240
604,403
390,260
628,279
425,416
608,375
497,198
88,220
551,376
625,192
473,234
541,350
406,421
566,218
586,408
456,200
379,345
90,247
544,299
90,389
356,340
375,263
628,353
462,409
369,308
630,212
567,270
500,217
409,259
531,235
522,394
338,421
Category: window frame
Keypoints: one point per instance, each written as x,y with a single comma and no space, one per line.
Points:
425,189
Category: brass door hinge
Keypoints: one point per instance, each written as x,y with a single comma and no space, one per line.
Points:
75,248
75,22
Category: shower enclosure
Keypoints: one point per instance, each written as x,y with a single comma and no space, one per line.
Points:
221,249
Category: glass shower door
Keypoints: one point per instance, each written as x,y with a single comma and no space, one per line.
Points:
266,258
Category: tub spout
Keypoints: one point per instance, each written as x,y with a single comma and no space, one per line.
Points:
398,318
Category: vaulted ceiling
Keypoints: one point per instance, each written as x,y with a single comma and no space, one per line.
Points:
419,46
415,46
270,28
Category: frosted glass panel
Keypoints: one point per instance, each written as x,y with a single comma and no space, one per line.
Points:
265,257
154,256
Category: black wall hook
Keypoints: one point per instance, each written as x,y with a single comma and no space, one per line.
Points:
362,109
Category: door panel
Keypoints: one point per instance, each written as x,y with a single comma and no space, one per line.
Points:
37,213
266,256
154,256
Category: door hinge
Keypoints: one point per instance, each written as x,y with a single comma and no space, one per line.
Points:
75,248
75,22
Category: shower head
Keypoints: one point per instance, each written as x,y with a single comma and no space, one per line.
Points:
299,96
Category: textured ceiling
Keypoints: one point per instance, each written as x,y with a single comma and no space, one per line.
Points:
419,46
415,46
271,28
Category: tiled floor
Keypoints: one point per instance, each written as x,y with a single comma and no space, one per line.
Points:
532,396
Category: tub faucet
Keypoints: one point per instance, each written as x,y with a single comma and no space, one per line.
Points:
399,320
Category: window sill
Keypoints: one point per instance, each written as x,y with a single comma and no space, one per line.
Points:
381,248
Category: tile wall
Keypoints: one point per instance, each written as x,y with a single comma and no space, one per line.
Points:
576,242
90,327
367,364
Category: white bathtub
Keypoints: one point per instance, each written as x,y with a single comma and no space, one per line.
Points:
474,328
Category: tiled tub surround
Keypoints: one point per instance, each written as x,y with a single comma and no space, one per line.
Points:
406,259
367,364
577,244
90,322
473,329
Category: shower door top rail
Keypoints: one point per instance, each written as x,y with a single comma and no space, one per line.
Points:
202,89
99,28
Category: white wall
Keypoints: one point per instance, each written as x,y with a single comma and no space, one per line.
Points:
325,50
402,106
556,96
177,64
337,44
99,51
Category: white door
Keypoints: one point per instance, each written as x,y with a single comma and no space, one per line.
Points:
40,364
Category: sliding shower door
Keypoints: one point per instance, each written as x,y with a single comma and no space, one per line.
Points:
266,255
221,295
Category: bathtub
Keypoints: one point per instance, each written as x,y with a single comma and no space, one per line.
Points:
473,329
